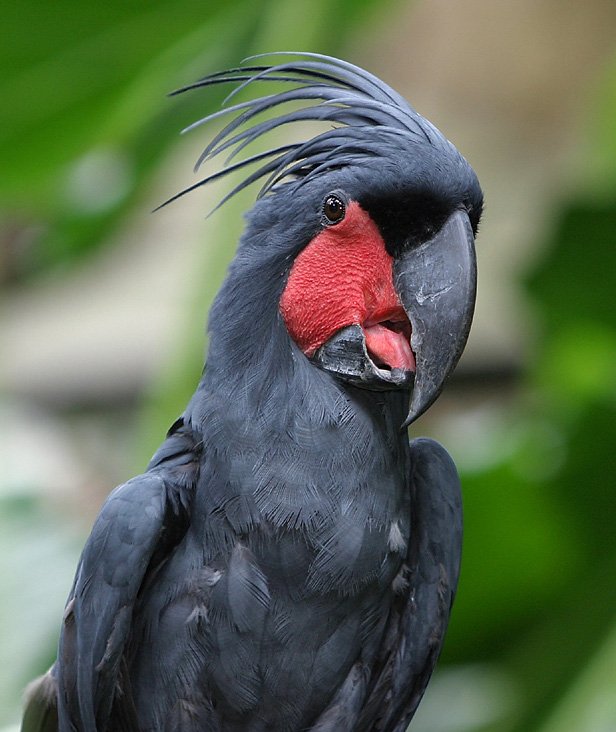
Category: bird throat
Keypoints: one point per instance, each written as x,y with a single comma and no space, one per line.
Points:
343,277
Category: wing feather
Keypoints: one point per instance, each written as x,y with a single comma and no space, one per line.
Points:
138,526
417,625
98,615
41,708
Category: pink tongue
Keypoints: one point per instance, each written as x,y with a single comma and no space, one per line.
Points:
389,347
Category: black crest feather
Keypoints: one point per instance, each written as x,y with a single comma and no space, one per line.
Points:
350,99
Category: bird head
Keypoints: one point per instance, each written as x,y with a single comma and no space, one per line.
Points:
372,221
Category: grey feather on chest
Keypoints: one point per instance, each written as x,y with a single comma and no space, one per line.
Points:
324,508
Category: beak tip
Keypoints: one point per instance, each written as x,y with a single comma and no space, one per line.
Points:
441,319
417,408
407,422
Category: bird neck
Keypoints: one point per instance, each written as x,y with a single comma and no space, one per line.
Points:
261,380
288,447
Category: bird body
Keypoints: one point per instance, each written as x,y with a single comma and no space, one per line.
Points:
297,585
288,560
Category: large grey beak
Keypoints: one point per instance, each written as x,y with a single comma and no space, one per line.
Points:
436,283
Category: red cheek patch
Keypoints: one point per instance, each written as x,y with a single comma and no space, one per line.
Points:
344,277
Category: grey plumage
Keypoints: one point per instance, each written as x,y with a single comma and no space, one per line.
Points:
288,560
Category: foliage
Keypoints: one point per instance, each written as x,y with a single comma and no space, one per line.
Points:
537,593
85,123
537,596
86,128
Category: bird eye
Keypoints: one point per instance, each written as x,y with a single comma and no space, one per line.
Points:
333,209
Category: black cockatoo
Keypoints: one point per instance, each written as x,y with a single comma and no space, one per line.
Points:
288,560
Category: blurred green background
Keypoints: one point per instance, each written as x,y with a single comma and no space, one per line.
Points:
103,306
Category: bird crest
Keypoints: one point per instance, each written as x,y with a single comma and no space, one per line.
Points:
324,89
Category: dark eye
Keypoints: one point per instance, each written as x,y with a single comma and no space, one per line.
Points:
333,209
